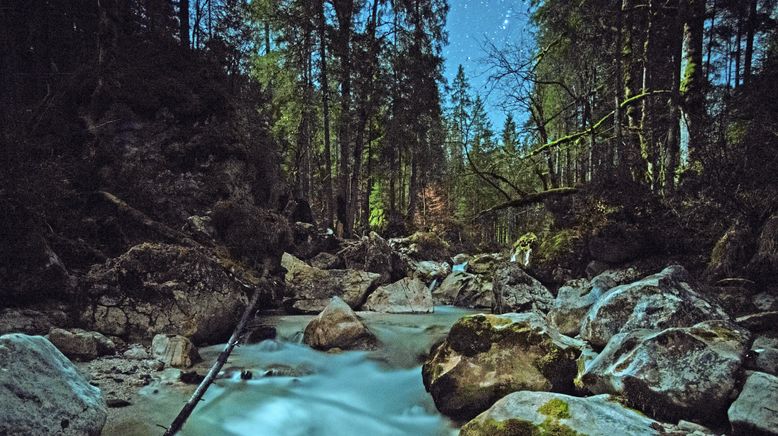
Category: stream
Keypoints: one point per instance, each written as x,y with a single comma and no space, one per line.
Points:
296,390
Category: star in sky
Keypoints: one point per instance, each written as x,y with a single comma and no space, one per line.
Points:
469,24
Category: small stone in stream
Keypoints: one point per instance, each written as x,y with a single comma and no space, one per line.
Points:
191,377
174,350
246,375
116,402
136,352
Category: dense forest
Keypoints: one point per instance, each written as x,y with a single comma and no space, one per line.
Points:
168,165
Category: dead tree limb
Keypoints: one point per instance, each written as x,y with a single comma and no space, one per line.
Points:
534,197
190,405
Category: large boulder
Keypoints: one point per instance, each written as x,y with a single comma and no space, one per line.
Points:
764,355
546,413
81,344
429,271
162,288
337,326
403,296
30,321
174,350
465,290
731,253
42,392
763,266
373,254
574,299
485,263
422,246
754,412
308,241
662,300
309,289
516,291
687,372
486,357
326,261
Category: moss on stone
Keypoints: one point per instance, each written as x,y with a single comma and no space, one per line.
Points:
552,427
555,408
491,427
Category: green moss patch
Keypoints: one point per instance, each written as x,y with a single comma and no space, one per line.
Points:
555,408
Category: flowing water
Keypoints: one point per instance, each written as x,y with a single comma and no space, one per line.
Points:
299,391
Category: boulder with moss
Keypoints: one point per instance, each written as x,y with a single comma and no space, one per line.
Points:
163,288
686,372
516,291
422,246
558,251
763,266
465,290
486,357
546,413
662,300
731,253
486,263
309,289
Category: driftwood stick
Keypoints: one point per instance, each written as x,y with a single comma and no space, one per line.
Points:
190,405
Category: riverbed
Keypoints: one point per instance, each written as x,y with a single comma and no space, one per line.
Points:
295,390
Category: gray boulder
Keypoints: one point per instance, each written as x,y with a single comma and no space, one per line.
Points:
80,344
662,300
174,350
546,413
516,291
686,372
429,271
373,254
485,263
466,290
755,412
485,357
309,289
30,321
337,326
326,261
186,289
403,296
764,355
574,299
42,392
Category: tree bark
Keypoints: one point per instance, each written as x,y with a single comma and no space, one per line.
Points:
693,85
750,32
344,11
183,18
325,96
673,147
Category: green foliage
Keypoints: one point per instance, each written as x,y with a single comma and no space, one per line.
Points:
378,220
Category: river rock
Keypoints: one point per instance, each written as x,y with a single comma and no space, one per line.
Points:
764,355
755,411
485,263
686,372
763,266
373,254
80,344
465,290
662,300
42,392
30,321
326,261
516,291
309,289
460,258
429,271
403,296
308,241
574,299
337,326
486,357
547,413
174,350
187,290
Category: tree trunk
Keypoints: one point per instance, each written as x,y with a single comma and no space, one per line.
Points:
325,95
738,42
673,148
693,85
183,18
750,32
344,10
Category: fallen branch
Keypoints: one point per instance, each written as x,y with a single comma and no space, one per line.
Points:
190,405
161,229
594,127
535,197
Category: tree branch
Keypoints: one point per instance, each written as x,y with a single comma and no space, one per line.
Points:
535,197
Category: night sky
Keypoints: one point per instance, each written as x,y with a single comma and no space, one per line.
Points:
469,24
